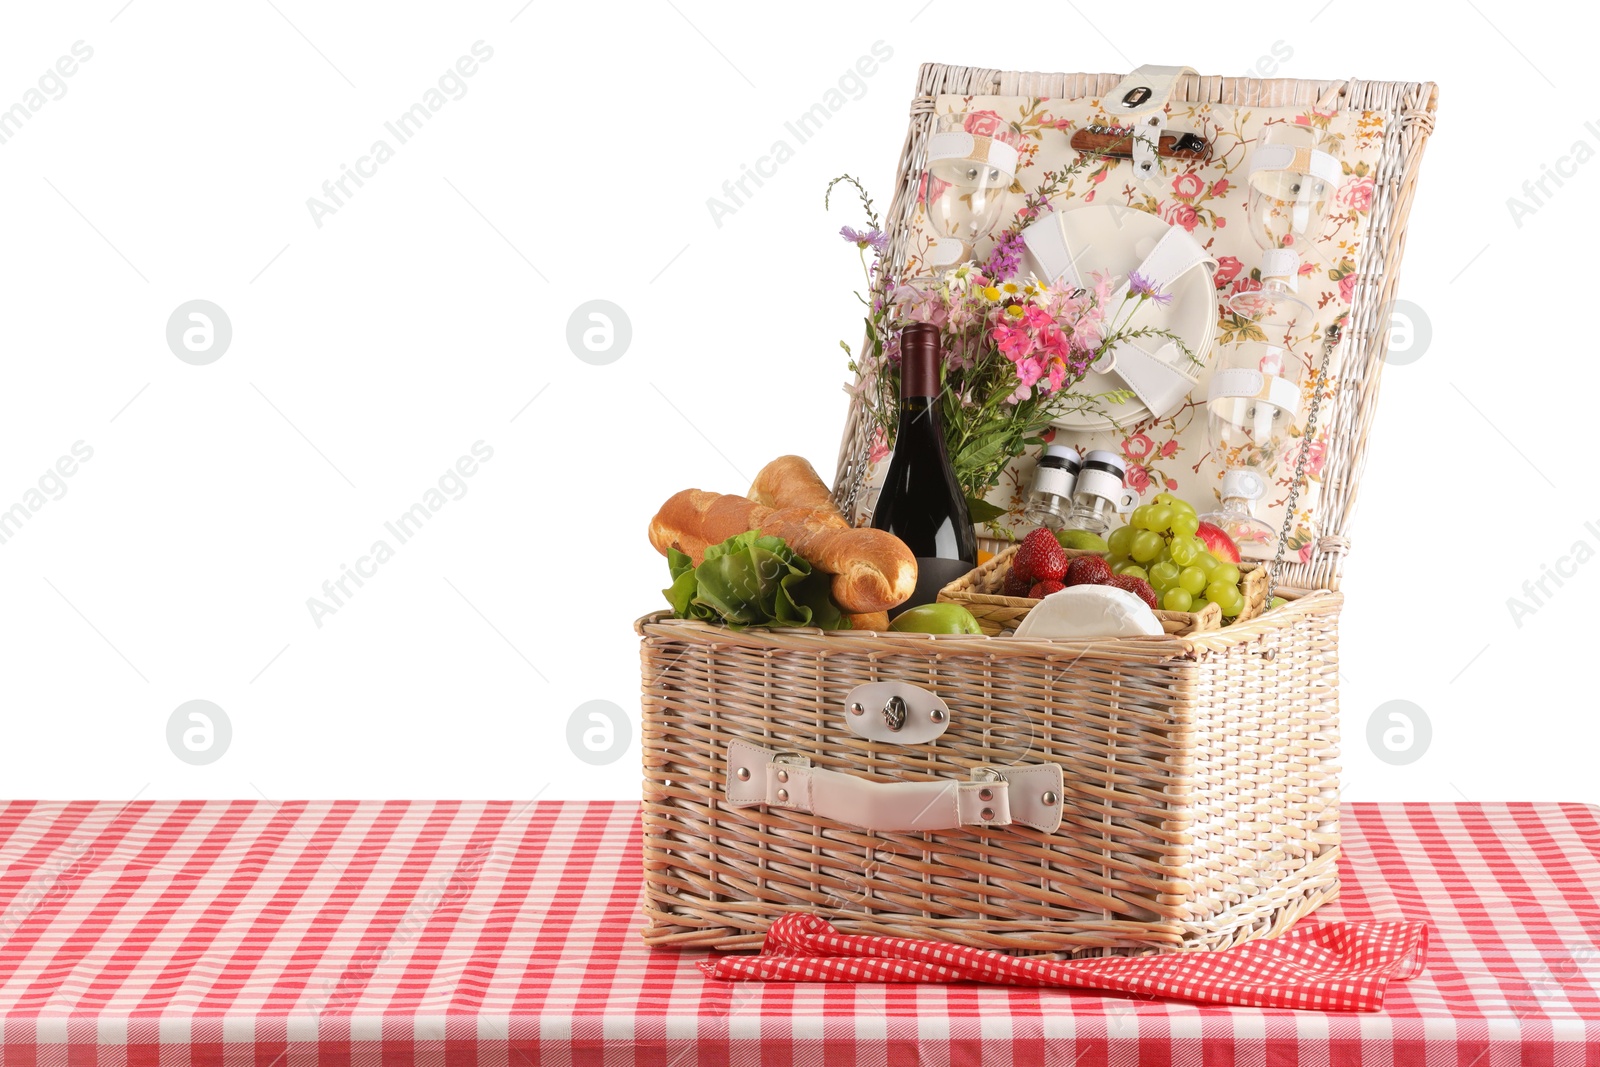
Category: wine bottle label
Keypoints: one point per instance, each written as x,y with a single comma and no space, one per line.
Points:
933,574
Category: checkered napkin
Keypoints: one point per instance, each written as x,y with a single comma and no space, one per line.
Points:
1331,966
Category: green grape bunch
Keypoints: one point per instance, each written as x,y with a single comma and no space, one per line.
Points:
1159,545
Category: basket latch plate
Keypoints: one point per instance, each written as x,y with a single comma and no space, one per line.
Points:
896,713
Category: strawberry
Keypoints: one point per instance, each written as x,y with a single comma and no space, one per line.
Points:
1016,583
1087,570
1041,590
1041,557
1137,586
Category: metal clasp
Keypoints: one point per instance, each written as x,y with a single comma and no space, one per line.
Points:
896,712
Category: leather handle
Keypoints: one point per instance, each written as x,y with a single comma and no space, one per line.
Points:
994,797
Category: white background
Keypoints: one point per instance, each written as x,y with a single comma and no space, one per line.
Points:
371,352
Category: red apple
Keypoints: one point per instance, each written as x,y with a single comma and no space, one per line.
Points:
1218,543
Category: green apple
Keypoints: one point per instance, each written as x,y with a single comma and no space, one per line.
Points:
936,619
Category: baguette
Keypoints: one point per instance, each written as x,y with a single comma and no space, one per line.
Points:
791,482
877,620
694,520
872,570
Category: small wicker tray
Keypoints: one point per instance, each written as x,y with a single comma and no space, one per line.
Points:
979,592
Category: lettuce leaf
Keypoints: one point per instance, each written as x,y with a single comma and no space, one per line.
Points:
752,580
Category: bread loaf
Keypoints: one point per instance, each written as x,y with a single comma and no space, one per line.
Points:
694,520
791,482
873,570
877,620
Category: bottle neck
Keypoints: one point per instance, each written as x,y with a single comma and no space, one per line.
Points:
919,383
919,364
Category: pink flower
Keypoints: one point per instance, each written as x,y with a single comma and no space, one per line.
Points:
1187,186
880,447
1355,194
1172,483
1219,187
1014,342
1315,454
1228,268
1053,341
1138,446
1058,375
1182,215
921,305
931,188
1221,221
1169,449
982,123
1029,371
1138,479
1246,284
1347,287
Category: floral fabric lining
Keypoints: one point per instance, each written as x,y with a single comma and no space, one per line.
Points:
1209,201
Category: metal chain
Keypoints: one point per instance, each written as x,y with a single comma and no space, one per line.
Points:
1330,342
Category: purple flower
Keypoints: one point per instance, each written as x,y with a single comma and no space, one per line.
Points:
1142,287
1006,257
868,239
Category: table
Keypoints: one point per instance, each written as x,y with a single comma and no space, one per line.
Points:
500,933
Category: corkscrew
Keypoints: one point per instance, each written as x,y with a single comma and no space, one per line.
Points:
1117,142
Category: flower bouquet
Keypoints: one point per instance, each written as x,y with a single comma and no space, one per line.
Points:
1015,347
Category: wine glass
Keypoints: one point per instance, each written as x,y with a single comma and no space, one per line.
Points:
1292,178
969,178
1251,406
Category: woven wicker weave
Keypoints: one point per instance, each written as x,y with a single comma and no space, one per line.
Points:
1200,805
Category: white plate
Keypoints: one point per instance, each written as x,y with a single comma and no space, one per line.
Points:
1113,240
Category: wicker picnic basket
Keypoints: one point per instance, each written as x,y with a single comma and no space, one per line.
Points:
1084,797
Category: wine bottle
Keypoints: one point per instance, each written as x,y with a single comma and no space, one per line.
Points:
921,503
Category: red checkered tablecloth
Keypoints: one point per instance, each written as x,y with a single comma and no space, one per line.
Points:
246,932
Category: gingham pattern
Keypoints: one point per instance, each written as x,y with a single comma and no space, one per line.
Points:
1317,966
462,933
